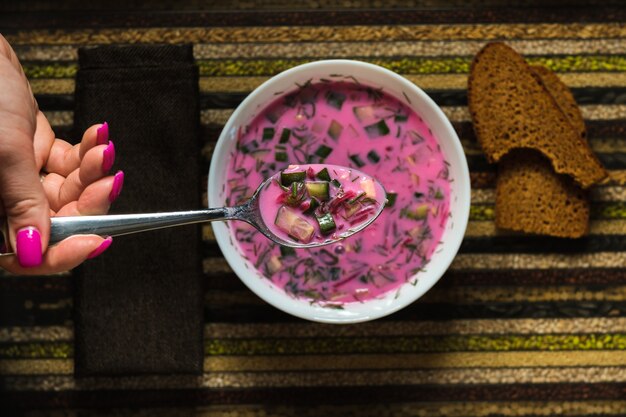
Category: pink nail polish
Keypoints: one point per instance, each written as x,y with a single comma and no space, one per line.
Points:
108,157
102,134
103,246
118,183
28,247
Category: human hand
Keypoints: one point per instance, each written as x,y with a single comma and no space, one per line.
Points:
42,176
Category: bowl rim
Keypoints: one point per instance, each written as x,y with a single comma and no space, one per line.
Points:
301,308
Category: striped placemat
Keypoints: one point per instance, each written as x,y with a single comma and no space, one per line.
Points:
519,325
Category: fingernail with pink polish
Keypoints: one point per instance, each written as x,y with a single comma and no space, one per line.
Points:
28,247
102,134
118,183
103,246
108,157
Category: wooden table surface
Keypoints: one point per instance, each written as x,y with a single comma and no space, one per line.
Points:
519,326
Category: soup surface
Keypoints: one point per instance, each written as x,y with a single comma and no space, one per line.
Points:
351,125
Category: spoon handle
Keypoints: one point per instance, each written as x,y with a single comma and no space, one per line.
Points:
123,224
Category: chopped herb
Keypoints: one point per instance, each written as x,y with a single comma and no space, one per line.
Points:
328,258
373,156
335,183
280,157
400,118
418,195
357,160
377,130
391,199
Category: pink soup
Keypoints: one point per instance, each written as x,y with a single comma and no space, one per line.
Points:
359,127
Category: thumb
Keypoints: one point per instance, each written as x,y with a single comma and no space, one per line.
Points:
23,200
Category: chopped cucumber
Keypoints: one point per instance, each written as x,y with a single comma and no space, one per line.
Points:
274,114
259,154
285,135
287,251
252,146
391,199
318,189
335,99
357,161
274,264
369,188
323,175
373,156
372,113
364,113
419,212
335,129
288,178
268,134
295,226
377,130
323,151
326,223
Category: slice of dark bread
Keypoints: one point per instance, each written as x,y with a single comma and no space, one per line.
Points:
532,198
511,108
563,97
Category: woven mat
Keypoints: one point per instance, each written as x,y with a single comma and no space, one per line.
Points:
519,326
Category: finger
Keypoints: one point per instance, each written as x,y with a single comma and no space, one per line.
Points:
65,158
96,163
44,139
7,52
68,254
23,198
96,198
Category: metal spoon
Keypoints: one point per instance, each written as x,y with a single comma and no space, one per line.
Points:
123,224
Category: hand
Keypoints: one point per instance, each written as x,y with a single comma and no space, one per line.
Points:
41,176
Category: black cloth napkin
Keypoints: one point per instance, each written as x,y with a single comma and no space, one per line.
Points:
138,307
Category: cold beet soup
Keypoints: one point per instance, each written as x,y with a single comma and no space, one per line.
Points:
355,126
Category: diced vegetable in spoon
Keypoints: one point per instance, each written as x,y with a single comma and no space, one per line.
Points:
319,204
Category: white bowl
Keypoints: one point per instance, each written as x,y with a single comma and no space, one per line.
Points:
397,86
